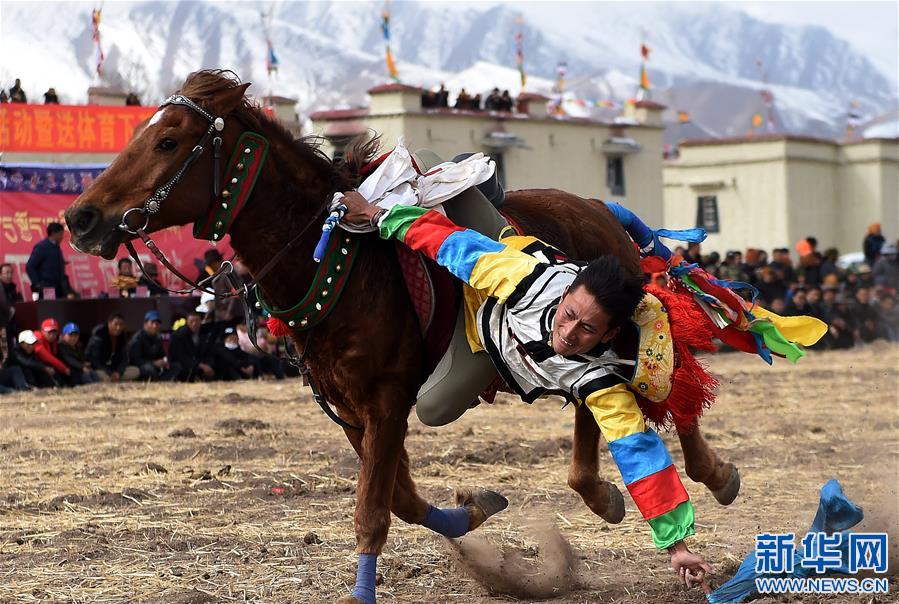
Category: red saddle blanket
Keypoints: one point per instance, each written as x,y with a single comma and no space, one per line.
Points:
436,297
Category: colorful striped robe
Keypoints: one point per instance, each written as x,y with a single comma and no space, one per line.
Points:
523,291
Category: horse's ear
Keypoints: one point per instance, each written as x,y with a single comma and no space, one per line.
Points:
228,100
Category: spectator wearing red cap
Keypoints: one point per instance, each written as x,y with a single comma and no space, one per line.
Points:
47,350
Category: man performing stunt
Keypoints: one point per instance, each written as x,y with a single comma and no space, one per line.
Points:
549,324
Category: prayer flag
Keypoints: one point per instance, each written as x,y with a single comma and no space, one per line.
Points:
644,77
519,53
757,120
95,22
644,51
683,117
385,29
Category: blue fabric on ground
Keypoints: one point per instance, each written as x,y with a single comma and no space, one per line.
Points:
366,574
836,513
449,522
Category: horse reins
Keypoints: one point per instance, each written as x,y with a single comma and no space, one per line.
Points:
153,205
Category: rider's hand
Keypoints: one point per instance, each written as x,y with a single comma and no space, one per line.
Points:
359,211
691,568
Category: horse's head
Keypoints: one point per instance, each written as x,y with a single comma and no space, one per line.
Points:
135,183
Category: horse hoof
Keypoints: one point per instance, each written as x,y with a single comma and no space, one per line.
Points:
481,505
726,494
615,512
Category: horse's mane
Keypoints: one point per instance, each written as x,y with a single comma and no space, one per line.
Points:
343,174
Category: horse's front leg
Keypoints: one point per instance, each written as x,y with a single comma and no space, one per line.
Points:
601,496
383,440
703,465
379,449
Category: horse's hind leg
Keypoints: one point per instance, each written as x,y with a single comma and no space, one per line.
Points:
474,506
703,465
601,496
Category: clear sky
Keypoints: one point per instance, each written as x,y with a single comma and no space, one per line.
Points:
871,27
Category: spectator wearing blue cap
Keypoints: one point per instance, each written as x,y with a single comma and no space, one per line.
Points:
71,351
146,351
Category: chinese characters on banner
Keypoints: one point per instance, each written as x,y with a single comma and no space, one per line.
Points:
68,128
31,197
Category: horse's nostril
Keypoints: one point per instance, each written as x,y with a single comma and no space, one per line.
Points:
85,220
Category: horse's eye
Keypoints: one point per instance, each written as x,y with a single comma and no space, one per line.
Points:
166,144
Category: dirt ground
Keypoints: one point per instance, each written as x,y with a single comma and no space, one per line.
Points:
245,491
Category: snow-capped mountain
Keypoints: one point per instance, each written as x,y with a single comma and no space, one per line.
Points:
704,58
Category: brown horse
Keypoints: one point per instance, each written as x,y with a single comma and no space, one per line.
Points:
367,355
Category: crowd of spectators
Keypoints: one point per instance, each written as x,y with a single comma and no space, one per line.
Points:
495,101
17,94
198,348
857,302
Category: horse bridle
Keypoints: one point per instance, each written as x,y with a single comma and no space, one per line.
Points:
153,205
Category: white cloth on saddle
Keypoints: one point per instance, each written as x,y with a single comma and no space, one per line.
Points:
396,182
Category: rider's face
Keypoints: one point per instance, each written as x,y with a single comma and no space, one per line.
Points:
580,324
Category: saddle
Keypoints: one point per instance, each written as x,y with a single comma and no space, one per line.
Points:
456,377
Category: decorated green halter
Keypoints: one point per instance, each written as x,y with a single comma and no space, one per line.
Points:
327,286
243,171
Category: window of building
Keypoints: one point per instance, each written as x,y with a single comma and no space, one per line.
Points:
615,175
707,213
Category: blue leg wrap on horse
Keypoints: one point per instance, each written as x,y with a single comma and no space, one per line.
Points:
365,578
449,522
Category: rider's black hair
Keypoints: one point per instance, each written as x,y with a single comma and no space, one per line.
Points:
616,291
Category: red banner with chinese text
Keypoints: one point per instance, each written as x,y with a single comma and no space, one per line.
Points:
68,128
24,217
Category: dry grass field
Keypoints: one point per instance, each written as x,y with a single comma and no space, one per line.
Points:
245,491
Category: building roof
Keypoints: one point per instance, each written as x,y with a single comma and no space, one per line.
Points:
111,90
279,100
762,138
339,114
649,105
532,96
393,87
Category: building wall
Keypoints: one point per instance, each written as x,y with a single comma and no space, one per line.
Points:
868,183
749,182
811,193
560,154
772,193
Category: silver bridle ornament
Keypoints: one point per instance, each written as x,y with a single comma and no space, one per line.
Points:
154,203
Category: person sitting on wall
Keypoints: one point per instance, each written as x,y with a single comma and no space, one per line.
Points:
16,94
50,97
